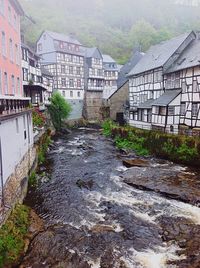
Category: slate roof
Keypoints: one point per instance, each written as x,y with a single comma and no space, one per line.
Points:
166,98
63,37
158,55
89,52
147,104
108,59
122,79
189,58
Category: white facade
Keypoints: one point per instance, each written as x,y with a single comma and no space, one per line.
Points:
16,138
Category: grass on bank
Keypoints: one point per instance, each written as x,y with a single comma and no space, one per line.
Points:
12,235
177,148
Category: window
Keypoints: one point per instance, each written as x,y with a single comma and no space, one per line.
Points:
6,83
162,110
16,54
13,85
63,82
37,98
18,86
171,110
195,86
171,129
25,74
78,83
77,48
70,69
24,54
3,43
2,7
183,108
63,93
39,47
173,80
78,70
63,69
194,109
71,94
78,94
11,50
71,83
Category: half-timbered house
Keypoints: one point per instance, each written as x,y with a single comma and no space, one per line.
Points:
37,81
63,56
184,76
147,85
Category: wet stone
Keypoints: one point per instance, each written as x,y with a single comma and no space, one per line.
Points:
97,213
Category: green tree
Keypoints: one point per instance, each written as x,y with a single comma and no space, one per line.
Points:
142,34
59,110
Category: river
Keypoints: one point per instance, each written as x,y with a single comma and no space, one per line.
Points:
100,214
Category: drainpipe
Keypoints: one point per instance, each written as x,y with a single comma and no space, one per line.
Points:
1,172
166,117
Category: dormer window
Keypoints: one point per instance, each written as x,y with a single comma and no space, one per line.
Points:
69,47
61,44
39,47
77,48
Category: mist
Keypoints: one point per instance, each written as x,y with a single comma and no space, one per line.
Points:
115,26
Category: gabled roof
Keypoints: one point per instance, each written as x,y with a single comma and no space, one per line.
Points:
166,98
63,37
189,58
147,104
17,6
159,54
92,52
108,59
122,79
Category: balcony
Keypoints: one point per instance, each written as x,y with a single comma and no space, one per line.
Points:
10,105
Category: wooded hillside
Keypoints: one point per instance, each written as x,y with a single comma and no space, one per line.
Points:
115,26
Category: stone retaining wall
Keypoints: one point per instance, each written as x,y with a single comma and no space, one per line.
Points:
15,189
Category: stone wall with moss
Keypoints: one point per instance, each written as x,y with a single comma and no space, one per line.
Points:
178,148
16,185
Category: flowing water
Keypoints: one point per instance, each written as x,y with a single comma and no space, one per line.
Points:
94,218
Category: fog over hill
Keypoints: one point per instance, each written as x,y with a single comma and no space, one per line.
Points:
115,26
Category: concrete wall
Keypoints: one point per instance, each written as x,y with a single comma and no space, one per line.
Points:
117,101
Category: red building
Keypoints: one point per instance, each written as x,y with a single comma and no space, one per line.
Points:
10,48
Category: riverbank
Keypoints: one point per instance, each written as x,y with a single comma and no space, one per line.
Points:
21,227
179,149
18,221
94,217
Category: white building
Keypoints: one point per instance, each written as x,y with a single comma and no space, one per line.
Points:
37,80
63,57
155,94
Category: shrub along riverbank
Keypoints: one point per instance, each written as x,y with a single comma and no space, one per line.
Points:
12,235
180,149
